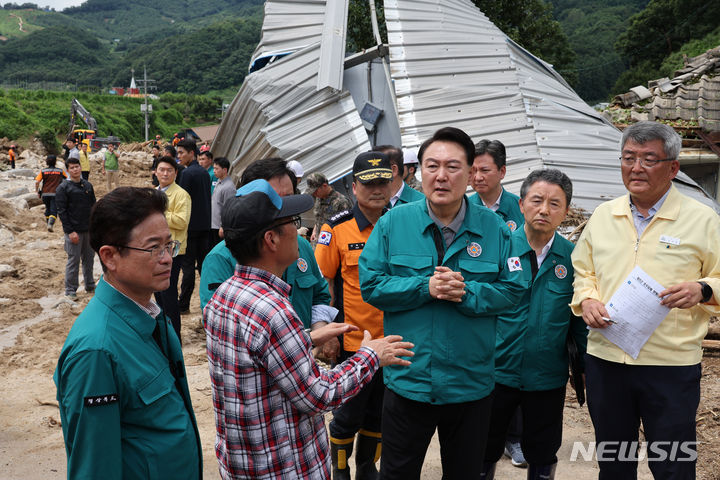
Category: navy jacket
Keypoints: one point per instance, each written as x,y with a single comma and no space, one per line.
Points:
196,181
74,202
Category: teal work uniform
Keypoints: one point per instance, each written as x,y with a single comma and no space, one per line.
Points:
408,195
124,403
454,342
509,209
309,287
213,178
531,351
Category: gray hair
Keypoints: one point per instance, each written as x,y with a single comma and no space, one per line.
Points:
550,175
643,132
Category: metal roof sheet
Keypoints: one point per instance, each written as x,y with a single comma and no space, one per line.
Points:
450,66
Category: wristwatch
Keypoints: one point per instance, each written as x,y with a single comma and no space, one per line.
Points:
707,292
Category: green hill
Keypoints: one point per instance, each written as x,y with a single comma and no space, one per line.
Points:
46,115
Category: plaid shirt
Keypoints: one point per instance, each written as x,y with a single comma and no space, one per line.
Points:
269,395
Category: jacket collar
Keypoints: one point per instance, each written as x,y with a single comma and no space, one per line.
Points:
125,308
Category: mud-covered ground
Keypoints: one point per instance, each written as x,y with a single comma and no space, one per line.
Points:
35,318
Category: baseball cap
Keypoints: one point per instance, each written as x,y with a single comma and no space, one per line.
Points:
369,166
409,157
257,205
314,181
297,169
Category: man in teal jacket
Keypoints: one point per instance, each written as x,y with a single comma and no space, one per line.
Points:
439,270
402,193
310,295
121,383
489,168
531,361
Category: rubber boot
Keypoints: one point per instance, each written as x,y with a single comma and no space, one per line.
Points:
340,451
488,471
541,472
367,453
51,222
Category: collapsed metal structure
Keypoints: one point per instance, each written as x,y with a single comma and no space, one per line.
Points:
445,64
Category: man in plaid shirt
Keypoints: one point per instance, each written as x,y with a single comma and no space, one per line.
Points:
269,395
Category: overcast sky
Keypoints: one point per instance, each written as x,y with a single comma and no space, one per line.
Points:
56,4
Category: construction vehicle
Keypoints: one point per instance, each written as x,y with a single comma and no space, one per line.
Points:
87,136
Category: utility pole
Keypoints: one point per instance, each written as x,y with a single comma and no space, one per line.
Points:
145,107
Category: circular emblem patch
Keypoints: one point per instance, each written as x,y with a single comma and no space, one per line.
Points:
303,265
512,225
474,249
560,271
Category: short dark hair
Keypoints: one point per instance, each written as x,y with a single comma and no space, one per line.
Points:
395,155
72,161
549,175
454,135
265,169
168,160
51,160
207,153
188,145
115,215
222,162
171,150
494,148
71,139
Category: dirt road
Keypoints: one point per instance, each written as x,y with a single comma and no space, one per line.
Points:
35,318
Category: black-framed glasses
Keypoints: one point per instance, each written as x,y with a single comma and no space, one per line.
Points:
296,220
629,161
171,248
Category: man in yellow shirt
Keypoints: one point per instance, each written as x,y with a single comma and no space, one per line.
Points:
84,160
674,239
178,219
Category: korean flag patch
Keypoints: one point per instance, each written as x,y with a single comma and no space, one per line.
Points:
514,264
324,238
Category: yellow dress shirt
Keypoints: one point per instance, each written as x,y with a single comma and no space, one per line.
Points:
178,214
681,243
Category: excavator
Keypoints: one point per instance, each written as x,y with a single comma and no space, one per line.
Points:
87,136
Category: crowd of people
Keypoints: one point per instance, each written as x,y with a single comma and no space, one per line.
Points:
436,311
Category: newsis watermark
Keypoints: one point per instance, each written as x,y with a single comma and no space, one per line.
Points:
623,451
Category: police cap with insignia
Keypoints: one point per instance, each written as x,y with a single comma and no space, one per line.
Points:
256,206
371,166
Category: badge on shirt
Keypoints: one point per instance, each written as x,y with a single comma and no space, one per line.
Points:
324,238
101,400
669,240
302,264
474,249
511,225
514,264
561,271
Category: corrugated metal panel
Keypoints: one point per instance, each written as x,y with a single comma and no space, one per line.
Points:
289,25
279,112
452,66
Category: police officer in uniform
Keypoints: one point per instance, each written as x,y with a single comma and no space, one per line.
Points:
339,246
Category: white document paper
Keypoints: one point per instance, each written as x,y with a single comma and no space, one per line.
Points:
636,309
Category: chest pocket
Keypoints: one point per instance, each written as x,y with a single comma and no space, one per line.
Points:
157,388
305,280
477,270
411,265
555,303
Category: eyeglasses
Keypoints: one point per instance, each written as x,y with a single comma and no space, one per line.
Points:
296,220
172,249
645,162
